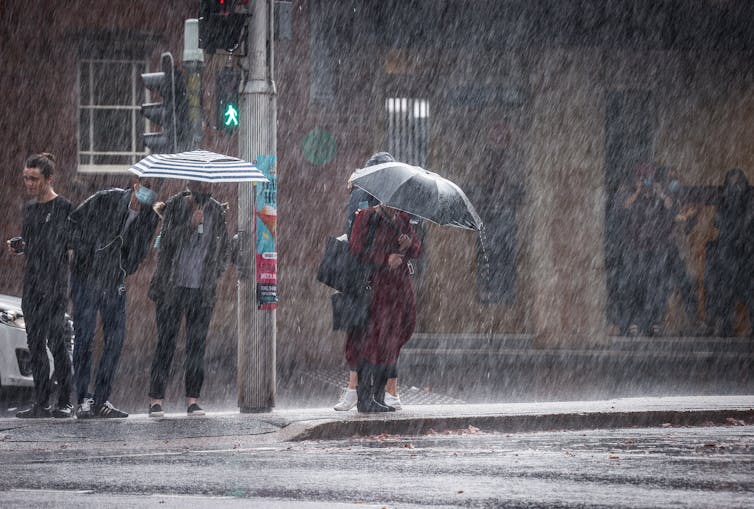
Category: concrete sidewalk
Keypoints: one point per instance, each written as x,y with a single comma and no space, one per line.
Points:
232,430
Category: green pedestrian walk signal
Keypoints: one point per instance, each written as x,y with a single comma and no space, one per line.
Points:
226,93
230,116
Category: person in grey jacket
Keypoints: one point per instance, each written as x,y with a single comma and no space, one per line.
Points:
111,235
193,251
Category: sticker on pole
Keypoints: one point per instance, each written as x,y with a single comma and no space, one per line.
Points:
266,233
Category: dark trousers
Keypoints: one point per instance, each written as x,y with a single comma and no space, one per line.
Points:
644,287
176,304
111,306
677,277
44,316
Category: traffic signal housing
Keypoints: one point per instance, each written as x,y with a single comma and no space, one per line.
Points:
227,106
171,114
221,24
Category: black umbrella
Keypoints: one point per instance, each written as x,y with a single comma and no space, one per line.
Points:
419,192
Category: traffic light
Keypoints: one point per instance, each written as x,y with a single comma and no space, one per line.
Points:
172,113
221,24
227,107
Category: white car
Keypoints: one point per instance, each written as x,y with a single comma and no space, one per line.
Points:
15,360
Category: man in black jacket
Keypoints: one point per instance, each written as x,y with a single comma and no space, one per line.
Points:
45,246
193,252
112,232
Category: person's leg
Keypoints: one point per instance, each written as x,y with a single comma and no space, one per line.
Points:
37,325
114,330
168,315
750,308
198,317
349,397
633,297
56,340
85,307
392,379
659,288
727,306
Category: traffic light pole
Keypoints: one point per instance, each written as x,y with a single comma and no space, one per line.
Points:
193,62
257,137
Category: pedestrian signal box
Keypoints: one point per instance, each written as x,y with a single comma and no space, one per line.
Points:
227,107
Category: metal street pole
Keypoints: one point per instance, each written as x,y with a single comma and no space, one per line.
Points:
193,62
257,137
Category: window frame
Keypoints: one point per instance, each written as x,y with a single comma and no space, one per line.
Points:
408,127
88,105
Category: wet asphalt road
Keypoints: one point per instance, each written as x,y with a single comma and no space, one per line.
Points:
660,467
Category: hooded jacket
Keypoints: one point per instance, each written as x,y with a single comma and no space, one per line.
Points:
104,254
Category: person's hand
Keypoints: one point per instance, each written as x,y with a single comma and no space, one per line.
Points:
404,242
394,261
13,251
197,217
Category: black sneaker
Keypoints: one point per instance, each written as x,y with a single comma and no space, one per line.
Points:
108,411
63,411
36,411
195,409
156,410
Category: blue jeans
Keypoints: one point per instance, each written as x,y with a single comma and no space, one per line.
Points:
111,305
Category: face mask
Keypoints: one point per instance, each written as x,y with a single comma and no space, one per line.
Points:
648,182
674,186
201,198
145,196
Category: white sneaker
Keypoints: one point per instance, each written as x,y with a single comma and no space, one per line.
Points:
393,401
347,401
85,410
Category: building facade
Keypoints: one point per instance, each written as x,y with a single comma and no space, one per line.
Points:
539,110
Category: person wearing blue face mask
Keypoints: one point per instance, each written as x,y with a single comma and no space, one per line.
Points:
111,235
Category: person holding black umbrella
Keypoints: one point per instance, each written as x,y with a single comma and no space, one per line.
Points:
359,199
392,312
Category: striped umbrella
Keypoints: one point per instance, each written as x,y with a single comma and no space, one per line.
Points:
200,165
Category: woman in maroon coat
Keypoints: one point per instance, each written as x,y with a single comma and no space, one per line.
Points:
392,313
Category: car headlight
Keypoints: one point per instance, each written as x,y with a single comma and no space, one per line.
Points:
13,319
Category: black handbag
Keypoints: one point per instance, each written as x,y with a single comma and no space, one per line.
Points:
350,311
344,272
341,270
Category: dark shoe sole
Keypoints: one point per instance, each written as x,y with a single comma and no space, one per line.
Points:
33,416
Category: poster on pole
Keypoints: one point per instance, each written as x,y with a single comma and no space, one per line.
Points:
266,233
